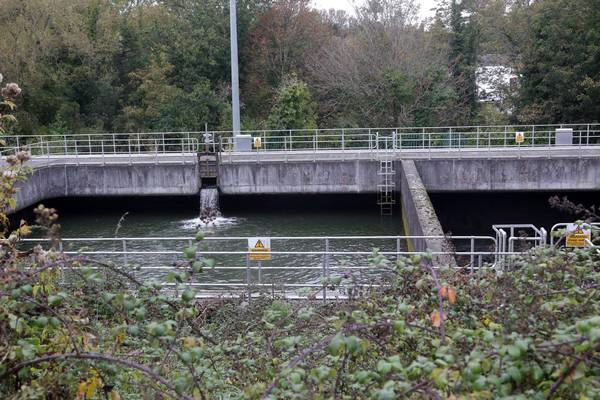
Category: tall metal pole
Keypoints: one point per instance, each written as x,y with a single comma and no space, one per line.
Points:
235,80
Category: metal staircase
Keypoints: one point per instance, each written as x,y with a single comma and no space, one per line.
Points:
387,184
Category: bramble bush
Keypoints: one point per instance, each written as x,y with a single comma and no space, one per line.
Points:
532,332
77,328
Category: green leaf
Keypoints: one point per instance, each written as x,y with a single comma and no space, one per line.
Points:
190,253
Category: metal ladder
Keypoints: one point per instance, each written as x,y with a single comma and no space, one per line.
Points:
387,184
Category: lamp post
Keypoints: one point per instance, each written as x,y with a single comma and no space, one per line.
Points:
235,79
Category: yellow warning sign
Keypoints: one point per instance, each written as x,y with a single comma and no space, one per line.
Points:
257,143
578,234
259,249
519,137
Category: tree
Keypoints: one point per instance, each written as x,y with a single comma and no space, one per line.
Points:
282,42
387,71
294,107
561,69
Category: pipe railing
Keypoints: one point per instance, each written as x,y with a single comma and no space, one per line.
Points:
457,138
425,144
102,145
299,262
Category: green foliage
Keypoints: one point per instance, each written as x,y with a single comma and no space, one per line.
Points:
561,69
294,107
531,332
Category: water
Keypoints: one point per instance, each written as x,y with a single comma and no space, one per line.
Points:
209,204
274,216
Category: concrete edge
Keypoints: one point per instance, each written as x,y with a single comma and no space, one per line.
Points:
419,217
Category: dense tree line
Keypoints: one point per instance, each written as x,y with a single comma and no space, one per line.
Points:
135,65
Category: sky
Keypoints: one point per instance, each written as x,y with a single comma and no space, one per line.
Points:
426,5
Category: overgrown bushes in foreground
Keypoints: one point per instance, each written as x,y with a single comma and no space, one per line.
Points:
530,333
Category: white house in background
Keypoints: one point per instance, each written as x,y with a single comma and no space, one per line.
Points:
493,82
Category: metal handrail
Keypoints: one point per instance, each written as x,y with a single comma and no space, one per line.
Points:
472,136
318,258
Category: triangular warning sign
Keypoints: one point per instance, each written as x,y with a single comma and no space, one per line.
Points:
259,245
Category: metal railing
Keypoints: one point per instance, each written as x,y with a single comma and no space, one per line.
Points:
103,148
418,142
297,262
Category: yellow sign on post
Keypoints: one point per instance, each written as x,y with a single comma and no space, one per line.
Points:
257,143
259,248
578,234
520,137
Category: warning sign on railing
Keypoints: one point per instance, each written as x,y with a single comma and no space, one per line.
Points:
578,234
519,137
259,248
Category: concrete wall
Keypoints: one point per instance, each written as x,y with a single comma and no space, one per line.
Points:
299,177
418,215
360,176
510,175
109,180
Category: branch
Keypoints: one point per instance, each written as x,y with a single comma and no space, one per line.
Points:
98,357
570,370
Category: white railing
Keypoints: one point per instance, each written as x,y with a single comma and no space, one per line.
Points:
297,262
102,147
421,142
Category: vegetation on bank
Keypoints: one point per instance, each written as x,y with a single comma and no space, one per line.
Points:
146,65
77,328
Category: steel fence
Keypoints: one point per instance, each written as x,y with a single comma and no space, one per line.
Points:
298,263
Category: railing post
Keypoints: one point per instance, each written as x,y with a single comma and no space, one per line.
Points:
66,147
182,151
248,278
398,249
90,144
139,146
429,140
343,140
102,150
472,252
76,152
259,273
124,244
325,269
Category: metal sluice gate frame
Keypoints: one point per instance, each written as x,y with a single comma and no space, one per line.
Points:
295,268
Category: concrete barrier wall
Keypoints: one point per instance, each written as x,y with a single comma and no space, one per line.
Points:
510,175
359,176
109,180
418,215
